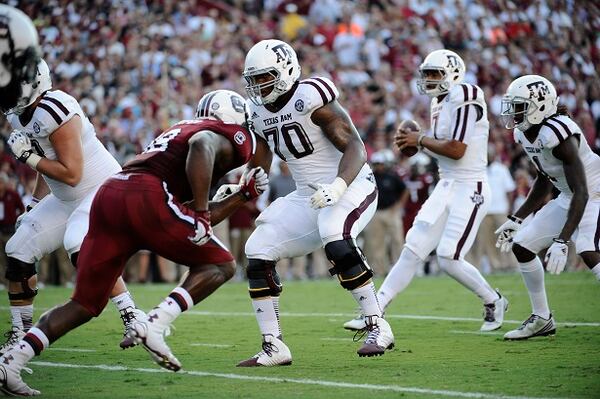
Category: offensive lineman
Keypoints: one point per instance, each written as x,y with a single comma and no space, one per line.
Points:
158,202
335,197
448,221
564,160
53,136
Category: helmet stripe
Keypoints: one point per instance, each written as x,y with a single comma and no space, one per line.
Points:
208,101
206,104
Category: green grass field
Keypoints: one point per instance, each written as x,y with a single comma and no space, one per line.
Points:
439,355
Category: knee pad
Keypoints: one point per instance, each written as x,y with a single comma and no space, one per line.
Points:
349,263
522,254
263,279
20,272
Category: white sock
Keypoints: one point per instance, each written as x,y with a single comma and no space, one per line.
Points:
275,300
367,299
533,275
468,275
123,301
172,306
27,316
15,315
596,271
267,316
399,277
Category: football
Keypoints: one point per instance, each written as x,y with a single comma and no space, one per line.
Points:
409,124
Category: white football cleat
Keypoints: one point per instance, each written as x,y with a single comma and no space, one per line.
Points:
379,337
11,383
274,353
534,326
493,314
13,336
130,315
150,333
356,324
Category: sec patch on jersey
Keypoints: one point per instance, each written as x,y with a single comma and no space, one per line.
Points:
412,125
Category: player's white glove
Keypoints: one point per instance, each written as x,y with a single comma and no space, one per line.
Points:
506,232
29,207
203,228
254,182
21,146
327,194
225,191
556,256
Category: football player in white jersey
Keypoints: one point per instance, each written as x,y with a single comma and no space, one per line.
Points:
564,161
19,56
302,122
53,136
448,221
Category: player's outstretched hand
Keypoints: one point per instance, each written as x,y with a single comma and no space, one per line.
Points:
254,182
203,231
556,256
327,194
506,233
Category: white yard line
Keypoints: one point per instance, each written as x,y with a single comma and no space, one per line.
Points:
301,381
212,345
387,316
476,332
71,350
352,315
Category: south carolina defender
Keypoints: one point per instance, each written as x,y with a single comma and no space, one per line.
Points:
450,218
143,208
53,136
564,160
302,122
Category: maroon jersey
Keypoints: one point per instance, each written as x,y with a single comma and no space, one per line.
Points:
166,155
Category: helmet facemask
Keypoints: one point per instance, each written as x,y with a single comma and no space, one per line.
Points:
16,96
432,87
258,92
515,112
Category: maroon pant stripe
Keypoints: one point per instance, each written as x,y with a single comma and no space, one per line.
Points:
463,239
356,212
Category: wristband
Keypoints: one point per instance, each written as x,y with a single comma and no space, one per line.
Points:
560,240
420,141
515,219
32,160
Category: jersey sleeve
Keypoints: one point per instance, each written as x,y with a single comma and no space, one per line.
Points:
554,131
467,104
53,111
314,93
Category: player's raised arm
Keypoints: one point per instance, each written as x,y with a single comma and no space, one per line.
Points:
339,129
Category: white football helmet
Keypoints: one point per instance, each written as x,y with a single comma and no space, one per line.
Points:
32,90
275,58
528,101
224,105
19,55
450,68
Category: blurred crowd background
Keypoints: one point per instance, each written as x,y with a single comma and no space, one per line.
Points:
137,67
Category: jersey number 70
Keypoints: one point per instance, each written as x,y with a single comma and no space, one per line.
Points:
286,132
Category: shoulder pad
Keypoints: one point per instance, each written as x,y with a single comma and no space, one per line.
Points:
53,111
555,130
466,94
313,93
